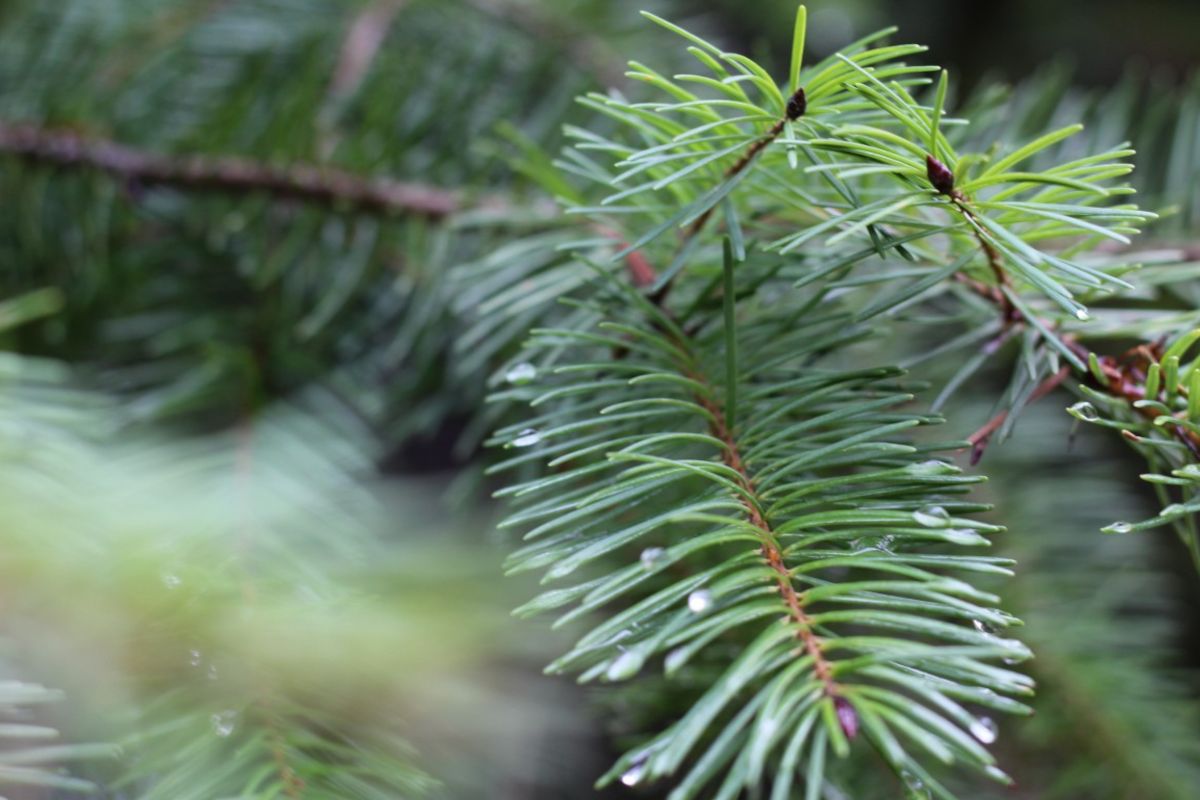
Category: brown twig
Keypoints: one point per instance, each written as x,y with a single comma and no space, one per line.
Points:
796,107
979,439
590,54
360,45
226,173
1124,377
640,270
770,547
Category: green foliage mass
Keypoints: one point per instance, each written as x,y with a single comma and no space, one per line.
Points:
737,320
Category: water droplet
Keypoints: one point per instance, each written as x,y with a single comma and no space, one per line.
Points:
527,438
223,724
651,556
1081,315
1189,471
699,601
1084,411
1118,527
520,374
171,580
983,627
867,544
914,787
625,666
963,536
984,729
633,775
213,674
932,517
995,773
195,657
932,467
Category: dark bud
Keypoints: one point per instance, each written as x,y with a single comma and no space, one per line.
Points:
940,176
797,105
977,452
847,716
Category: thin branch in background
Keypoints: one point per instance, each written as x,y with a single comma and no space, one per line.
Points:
590,54
979,440
227,173
364,37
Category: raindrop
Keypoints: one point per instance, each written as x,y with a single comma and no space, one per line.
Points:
984,729
625,666
633,775
171,580
998,774
915,788
868,544
1085,411
213,674
651,556
224,723
1118,527
932,517
1081,315
932,467
527,438
195,657
983,627
963,536
699,601
520,374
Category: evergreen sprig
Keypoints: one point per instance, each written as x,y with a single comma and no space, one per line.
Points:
774,532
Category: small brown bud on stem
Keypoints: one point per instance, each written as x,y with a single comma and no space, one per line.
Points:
940,176
847,716
797,105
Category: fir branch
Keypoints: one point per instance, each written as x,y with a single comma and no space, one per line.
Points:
322,185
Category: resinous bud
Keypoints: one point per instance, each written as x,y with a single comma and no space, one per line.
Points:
940,176
797,105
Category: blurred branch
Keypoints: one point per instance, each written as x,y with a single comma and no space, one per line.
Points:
360,45
362,41
589,53
226,173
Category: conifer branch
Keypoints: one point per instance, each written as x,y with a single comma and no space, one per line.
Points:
797,105
230,174
731,454
771,550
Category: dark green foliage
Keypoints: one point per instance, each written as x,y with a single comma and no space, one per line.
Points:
720,378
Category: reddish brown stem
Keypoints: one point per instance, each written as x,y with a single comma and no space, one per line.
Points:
770,548
979,439
797,106
226,173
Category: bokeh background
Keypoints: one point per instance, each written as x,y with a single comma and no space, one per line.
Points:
243,437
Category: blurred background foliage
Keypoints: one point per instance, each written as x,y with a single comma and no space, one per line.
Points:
244,515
